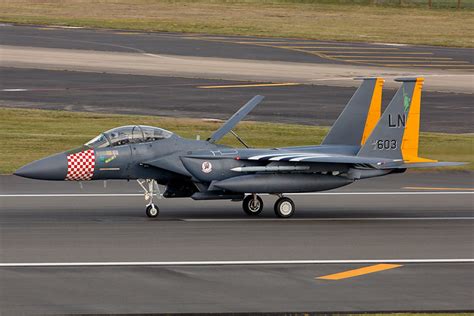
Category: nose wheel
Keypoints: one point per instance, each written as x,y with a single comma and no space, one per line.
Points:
150,187
284,207
252,205
152,210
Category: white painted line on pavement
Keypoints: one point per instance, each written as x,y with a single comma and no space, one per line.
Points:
309,193
384,193
218,263
336,219
73,195
14,90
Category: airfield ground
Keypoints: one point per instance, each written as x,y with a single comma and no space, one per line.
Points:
420,217
426,217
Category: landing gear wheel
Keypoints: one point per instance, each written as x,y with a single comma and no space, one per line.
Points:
149,187
253,205
284,207
152,210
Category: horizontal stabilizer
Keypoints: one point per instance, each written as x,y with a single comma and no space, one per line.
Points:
423,165
235,119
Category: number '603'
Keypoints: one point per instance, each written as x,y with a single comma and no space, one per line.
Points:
384,144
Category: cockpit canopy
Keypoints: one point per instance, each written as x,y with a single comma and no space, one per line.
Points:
128,134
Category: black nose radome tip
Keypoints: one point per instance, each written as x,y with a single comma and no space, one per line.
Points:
50,168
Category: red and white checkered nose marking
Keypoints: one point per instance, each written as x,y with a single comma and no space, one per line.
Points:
80,166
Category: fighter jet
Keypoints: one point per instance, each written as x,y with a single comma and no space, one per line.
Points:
361,144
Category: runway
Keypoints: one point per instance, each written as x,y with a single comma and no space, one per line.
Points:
421,218
235,289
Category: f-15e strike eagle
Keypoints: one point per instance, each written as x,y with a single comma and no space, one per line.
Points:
361,144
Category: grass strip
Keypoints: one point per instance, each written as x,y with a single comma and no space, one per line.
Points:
28,135
411,314
323,20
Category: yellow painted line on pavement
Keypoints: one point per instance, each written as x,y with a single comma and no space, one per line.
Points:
426,65
427,61
273,42
129,33
362,52
360,271
341,47
438,189
251,85
403,57
220,38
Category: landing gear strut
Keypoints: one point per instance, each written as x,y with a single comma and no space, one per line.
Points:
252,205
284,207
150,187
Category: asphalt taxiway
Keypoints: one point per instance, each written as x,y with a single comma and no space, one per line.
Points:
237,47
210,257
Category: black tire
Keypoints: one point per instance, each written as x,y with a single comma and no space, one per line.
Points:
284,207
252,207
152,211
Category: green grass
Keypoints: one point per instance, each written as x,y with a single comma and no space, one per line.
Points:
412,314
342,20
28,135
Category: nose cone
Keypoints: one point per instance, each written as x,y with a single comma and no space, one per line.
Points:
50,168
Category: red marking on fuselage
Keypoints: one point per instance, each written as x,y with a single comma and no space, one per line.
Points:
80,166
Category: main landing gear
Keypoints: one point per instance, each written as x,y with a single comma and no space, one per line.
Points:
150,187
253,206
284,207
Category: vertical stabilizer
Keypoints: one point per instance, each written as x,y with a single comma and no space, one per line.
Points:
359,117
396,135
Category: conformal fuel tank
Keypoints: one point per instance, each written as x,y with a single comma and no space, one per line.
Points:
281,183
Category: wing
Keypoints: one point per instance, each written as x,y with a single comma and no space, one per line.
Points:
423,165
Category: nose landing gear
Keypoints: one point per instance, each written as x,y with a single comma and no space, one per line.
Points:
152,210
150,186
